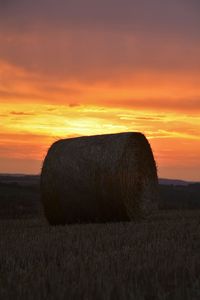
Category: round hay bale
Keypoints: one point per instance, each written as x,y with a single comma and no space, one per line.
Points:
101,178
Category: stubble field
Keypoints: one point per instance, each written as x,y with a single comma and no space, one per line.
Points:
158,258
155,259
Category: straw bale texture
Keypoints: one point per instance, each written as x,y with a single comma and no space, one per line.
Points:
99,178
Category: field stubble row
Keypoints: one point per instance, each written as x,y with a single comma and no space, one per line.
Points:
157,258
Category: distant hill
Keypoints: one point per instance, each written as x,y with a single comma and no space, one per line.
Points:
166,181
20,195
34,179
19,179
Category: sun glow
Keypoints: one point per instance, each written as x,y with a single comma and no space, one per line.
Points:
36,109
29,129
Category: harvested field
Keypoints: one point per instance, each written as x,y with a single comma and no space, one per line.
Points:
158,259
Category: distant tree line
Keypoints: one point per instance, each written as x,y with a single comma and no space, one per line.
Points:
21,198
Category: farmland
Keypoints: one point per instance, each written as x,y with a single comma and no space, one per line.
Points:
156,258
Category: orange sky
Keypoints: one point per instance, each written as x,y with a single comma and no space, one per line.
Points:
68,71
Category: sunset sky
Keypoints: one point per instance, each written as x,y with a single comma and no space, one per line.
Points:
84,67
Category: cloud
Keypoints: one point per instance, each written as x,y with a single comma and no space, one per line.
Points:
162,104
149,118
98,55
173,136
154,15
83,67
97,40
21,113
152,91
132,54
74,104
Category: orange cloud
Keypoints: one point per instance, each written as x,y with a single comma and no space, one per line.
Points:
28,134
85,69
163,92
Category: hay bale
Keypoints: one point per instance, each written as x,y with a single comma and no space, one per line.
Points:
99,178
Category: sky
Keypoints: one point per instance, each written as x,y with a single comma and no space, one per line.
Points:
73,68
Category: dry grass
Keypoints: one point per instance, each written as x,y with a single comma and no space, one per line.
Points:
158,259
101,178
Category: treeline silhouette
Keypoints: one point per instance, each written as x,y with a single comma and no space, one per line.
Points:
180,197
20,197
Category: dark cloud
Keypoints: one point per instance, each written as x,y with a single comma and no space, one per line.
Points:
5,95
148,118
162,104
74,104
62,43
51,109
22,113
97,39
98,55
181,15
